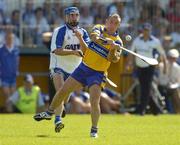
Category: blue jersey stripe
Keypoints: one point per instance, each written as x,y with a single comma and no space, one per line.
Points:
60,37
86,36
98,49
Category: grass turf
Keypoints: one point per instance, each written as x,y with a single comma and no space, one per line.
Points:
19,129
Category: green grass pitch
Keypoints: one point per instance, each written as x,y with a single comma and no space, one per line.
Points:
19,129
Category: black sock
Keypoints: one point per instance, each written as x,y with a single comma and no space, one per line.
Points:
94,129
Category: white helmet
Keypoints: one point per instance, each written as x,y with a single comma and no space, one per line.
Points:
173,53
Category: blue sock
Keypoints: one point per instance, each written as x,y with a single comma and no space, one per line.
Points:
57,118
50,112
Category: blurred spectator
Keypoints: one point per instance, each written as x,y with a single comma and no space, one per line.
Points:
27,99
159,21
9,29
2,37
39,25
164,4
175,35
58,12
99,18
27,15
94,8
86,17
144,15
167,42
2,19
9,65
79,102
169,82
15,22
3,5
47,12
122,10
28,12
76,3
174,13
110,101
161,29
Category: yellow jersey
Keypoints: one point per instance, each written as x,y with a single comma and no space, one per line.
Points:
96,54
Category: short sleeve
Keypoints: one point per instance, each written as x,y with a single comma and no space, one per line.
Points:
58,38
119,41
86,37
97,29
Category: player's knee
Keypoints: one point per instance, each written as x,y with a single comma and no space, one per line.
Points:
95,102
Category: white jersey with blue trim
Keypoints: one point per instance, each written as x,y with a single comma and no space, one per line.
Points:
64,38
146,48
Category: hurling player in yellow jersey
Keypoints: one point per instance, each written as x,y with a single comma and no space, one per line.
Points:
101,51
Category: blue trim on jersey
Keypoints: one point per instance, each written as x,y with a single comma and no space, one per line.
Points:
98,49
118,42
86,36
60,37
95,29
87,76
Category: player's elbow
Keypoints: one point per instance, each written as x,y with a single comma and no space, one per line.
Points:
115,60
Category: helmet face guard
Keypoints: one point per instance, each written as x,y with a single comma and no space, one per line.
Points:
68,16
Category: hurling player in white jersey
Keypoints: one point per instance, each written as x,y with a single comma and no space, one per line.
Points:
66,54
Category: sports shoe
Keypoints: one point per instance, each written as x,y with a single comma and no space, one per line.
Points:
58,126
43,116
93,132
94,135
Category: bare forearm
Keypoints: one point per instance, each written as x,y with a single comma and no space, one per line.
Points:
165,63
83,44
63,52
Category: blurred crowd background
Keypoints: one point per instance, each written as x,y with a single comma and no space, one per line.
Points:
28,20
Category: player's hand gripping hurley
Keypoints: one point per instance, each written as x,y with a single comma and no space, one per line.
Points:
151,61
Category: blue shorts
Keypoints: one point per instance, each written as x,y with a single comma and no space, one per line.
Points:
87,76
8,82
59,71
